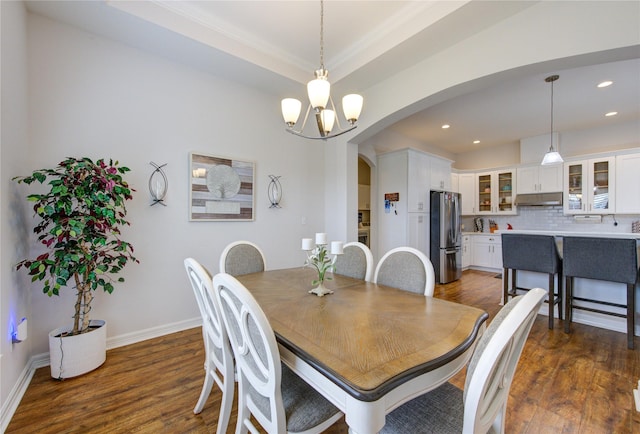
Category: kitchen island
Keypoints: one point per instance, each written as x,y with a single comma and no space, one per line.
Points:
586,288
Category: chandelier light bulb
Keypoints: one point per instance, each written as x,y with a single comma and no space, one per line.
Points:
352,106
291,111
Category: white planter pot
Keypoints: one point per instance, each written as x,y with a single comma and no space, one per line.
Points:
70,356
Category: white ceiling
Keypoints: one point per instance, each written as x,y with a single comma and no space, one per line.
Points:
274,45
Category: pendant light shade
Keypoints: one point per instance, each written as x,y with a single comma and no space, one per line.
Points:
319,93
352,106
319,90
552,156
328,119
291,110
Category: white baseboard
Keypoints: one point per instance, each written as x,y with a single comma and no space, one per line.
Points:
41,360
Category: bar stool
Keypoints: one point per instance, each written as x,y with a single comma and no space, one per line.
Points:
608,259
536,253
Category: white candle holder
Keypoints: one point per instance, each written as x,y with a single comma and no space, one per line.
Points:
319,258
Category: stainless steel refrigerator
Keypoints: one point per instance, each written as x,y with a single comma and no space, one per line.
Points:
446,237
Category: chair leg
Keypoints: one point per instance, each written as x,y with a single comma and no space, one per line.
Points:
227,403
206,390
631,313
568,304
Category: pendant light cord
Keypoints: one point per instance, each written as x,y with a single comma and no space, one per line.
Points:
551,139
551,79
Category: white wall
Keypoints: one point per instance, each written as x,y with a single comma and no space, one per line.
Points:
14,298
95,97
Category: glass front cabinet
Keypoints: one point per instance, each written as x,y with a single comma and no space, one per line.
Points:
589,186
495,192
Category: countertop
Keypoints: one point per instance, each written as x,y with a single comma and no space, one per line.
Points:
570,233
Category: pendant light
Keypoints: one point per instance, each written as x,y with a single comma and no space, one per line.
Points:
552,156
319,93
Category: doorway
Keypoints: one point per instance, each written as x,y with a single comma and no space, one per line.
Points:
364,202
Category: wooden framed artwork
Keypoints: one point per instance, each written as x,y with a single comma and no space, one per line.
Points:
221,189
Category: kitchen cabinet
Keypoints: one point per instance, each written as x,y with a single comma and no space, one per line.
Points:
589,186
495,192
418,181
418,232
454,183
364,196
466,251
539,179
487,251
467,189
439,174
404,222
628,184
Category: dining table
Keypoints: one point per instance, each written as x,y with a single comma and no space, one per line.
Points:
366,347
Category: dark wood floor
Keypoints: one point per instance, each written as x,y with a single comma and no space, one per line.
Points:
578,383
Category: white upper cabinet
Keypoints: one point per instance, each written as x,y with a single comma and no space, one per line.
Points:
455,185
440,174
467,190
418,181
589,186
495,192
539,179
628,184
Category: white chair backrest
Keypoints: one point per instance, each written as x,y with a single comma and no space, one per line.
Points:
356,261
215,334
408,269
256,353
494,362
242,257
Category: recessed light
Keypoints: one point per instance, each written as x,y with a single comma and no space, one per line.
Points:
605,83
611,114
445,126
475,142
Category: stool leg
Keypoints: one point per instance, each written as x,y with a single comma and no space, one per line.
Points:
560,295
505,286
631,313
568,304
551,299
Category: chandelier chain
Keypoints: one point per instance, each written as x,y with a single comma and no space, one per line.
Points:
321,34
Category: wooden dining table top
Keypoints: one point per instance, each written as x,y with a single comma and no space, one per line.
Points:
366,338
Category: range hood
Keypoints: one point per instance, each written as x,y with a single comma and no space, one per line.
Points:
539,199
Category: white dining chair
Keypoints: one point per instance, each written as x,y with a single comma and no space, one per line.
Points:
408,269
242,257
356,261
218,364
269,392
482,406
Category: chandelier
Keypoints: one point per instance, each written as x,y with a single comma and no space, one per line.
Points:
552,156
319,92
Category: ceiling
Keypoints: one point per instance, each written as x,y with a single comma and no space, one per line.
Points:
274,45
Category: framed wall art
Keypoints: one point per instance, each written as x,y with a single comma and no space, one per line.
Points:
221,189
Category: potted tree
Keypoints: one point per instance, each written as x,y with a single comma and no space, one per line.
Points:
79,223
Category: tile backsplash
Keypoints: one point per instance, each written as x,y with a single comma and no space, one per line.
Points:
552,219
